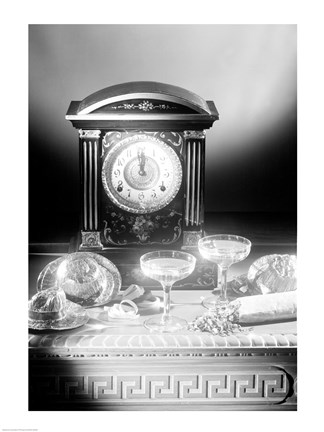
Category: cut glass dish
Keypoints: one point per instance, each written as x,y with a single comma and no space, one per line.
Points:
87,278
50,310
273,273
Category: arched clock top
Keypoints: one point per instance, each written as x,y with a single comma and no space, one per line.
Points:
143,99
155,94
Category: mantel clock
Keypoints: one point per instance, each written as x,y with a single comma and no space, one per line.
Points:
142,163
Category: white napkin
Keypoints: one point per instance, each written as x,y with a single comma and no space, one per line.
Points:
267,307
119,311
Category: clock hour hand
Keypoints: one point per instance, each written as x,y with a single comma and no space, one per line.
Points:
162,187
142,160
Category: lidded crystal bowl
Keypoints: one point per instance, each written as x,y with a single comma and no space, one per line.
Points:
49,304
81,278
273,273
86,278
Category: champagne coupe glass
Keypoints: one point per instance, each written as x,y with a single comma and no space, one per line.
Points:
167,267
223,250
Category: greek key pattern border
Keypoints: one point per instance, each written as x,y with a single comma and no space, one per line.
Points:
266,387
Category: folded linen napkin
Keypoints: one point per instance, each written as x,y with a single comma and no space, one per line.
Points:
133,300
142,297
266,308
120,312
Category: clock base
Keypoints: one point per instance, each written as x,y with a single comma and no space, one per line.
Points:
90,241
190,240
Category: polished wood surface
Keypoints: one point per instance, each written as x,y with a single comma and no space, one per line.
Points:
269,233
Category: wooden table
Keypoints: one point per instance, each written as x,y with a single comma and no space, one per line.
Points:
108,366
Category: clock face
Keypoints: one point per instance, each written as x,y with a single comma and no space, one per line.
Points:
141,174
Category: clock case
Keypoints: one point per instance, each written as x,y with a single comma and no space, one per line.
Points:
168,113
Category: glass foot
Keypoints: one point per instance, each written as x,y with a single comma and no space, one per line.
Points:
172,324
214,301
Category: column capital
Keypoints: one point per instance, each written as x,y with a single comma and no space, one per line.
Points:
92,133
194,134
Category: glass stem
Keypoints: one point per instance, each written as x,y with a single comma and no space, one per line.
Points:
167,302
223,272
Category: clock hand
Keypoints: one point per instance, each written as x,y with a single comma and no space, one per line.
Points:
142,160
162,187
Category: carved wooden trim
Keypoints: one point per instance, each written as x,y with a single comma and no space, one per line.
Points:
263,387
148,382
162,345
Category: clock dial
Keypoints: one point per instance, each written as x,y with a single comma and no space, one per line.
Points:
141,174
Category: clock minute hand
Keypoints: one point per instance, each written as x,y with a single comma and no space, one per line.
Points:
142,160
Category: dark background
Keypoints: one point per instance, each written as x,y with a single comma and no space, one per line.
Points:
249,71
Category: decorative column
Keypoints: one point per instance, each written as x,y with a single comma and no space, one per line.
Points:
194,187
89,163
